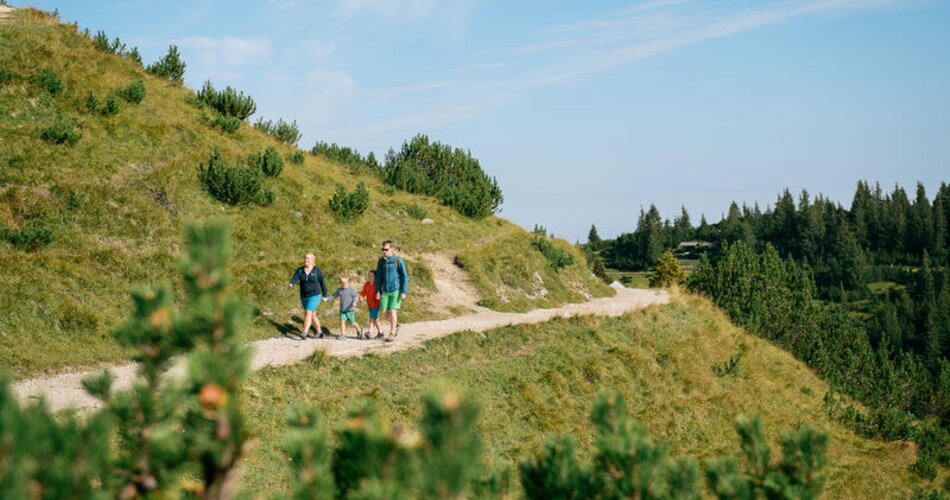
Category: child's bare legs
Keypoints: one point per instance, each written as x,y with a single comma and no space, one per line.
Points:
372,322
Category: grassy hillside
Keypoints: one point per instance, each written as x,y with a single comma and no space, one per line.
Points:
535,381
118,200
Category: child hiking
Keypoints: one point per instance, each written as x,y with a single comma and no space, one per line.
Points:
392,284
312,287
347,297
368,293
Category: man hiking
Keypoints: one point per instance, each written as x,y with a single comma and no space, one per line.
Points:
392,284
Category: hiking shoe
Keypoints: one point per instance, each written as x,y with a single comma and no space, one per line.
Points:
320,335
380,336
395,333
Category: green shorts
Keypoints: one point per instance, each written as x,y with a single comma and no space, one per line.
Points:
389,300
348,316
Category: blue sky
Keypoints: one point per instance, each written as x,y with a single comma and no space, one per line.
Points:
588,111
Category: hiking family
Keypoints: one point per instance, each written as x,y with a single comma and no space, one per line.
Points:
384,290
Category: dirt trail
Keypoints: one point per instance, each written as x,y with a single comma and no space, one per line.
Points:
5,11
454,288
65,391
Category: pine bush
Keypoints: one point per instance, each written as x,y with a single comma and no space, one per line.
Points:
170,66
288,133
135,56
133,92
227,124
111,107
228,102
667,272
416,212
92,103
347,156
297,158
452,175
557,257
101,42
797,475
349,206
234,184
48,80
29,238
269,161
62,131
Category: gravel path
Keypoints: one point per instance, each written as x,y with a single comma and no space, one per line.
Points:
65,391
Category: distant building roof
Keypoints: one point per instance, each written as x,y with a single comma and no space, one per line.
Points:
696,244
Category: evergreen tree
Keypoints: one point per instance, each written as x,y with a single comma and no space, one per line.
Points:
667,272
705,231
649,238
939,246
920,224
593,239
682,228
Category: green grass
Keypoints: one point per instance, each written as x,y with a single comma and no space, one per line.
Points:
117,203
879,287
538,380
632,279
512,275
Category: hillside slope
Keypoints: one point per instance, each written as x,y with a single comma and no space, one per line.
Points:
116,204
538,380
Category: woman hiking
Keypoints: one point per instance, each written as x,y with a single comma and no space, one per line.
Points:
312,288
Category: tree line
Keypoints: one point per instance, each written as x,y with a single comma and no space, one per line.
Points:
862,294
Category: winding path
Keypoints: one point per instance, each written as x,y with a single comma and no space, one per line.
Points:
65,391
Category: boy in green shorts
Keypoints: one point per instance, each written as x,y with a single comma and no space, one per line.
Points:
392,284
347,296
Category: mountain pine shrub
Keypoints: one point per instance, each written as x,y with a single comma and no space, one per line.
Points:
111,107
133,92
296,158
101,42
228,102
269,161
797,475
92,103
347,156
227,124
416,212
29,238
50,81
288,133
61,131
348,206
234,184
667,272
135,56
170,66
557,257
452,175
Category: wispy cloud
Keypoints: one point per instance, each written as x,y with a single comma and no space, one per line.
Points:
230,50
568,52
450,14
